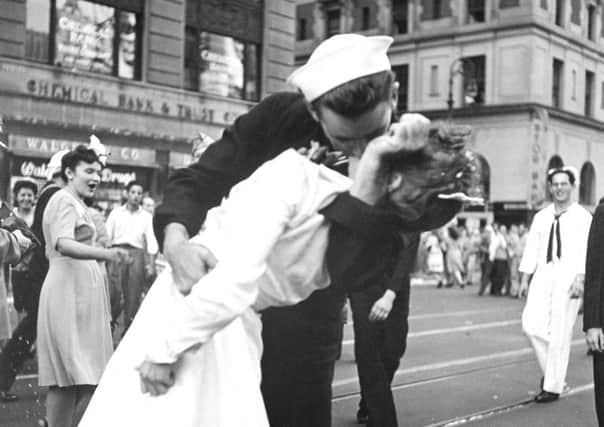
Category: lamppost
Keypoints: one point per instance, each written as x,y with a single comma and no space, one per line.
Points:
470,90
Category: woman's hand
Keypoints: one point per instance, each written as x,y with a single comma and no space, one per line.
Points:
118,255
156,378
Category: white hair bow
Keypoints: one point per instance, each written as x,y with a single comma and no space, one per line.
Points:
99,148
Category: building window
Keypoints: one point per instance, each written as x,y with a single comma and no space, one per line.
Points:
559,19
191,72
221,65
400,15
587,187
401,73
475,11
102,37
591,22
304,23
557,68
602,24
589,87
37,30
434,80
573,83
435,9
504,4
365,19
575,11
302,29
474,79
333,22
484,189
544,4
94,37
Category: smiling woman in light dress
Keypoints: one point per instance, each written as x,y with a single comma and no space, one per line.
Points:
74,338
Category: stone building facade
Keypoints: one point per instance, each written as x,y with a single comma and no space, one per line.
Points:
528,75
145,76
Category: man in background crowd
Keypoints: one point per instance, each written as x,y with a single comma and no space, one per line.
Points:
485,263
380,314
130,227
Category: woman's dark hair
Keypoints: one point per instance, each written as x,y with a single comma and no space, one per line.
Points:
80,154
19,185
358,96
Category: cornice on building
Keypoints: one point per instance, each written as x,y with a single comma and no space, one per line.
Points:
511,109
463,33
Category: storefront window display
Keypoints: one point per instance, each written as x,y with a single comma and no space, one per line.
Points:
84,35
95,37
37,30
221,65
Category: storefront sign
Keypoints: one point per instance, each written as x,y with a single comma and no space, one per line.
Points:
37,168
46,147
69,87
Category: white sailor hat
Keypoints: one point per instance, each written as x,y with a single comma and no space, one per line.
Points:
340,59
54,164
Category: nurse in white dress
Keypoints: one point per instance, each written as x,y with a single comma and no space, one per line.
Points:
555,254
270,242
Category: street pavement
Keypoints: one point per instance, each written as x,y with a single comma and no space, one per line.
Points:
467,364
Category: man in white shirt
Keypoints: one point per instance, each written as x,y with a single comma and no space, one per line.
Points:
555,253
130,227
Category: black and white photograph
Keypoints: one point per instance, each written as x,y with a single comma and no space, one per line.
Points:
301,213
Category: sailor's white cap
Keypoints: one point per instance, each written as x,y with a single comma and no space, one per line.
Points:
340,59
54,164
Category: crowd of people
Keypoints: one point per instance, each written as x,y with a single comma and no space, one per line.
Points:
266,235
487,256
80,289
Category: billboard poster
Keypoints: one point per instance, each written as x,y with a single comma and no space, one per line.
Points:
84,36
221,65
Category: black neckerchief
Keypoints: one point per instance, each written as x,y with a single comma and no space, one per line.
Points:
555,230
